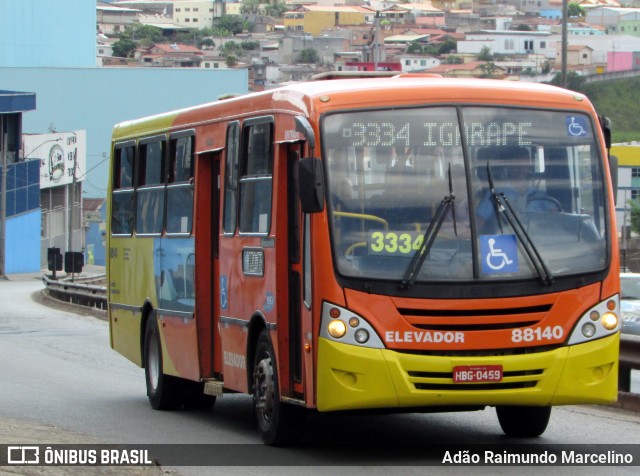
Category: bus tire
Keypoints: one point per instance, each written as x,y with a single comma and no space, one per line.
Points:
278,422
523,421
164,391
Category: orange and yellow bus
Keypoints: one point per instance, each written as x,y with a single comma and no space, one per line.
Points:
394,244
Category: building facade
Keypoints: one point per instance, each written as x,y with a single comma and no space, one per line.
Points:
19,189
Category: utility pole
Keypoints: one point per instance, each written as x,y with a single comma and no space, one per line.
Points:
565,18
3,198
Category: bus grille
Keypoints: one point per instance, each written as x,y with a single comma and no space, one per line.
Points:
475,319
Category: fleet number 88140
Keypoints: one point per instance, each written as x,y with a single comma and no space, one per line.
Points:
531,334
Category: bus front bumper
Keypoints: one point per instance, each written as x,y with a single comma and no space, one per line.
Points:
352,378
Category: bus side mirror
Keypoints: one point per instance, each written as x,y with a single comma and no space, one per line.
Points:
605,124
613,170
311,185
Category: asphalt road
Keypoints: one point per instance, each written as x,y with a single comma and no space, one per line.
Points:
61,383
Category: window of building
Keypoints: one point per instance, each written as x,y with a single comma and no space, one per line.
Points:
256,165
635,172
635,194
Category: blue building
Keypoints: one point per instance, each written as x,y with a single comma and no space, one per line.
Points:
19,190
50,48
42,34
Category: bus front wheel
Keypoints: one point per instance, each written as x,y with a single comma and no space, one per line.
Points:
523,421
164,391
277,421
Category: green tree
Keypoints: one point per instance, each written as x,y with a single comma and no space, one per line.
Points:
250,45
488,70
250,7
231,23
635,215
308,56
124,48
575,82
414,48
231,61
485,54
574,10
523,27
276,9
447,46
231,48
453,60
205,42
145,35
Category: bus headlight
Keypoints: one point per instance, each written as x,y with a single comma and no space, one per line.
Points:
600,321
361,336
341,325
609,321
337,329
588,330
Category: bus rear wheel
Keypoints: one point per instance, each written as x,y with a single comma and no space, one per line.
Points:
164,391
523,421
277,421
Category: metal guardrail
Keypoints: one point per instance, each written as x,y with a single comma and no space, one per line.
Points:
91,295
629,360
78,291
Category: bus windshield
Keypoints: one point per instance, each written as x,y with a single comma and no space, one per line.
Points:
524,190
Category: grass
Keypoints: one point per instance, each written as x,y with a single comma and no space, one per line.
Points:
618,100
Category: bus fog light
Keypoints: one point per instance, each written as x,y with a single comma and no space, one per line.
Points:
337,329
609,321
588,330
361,336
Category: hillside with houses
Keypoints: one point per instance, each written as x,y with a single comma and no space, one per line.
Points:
287,41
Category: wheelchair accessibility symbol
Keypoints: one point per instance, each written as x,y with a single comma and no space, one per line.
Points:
499,254
576,126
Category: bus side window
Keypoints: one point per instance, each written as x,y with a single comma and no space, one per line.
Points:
231,178
256,179
150,192
122,198
180,187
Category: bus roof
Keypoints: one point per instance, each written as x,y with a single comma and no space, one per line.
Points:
321,96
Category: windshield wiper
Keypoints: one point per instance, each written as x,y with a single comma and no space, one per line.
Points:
501,207
447,203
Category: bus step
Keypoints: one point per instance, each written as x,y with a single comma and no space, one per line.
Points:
293,401
213,387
